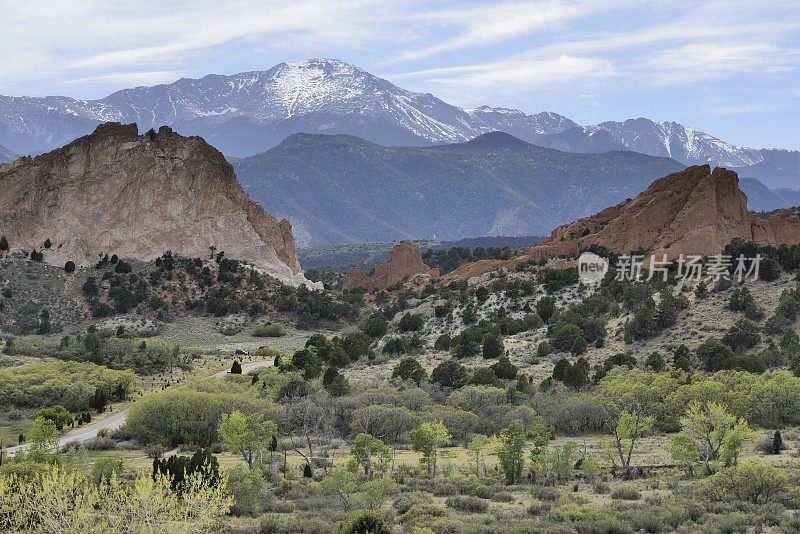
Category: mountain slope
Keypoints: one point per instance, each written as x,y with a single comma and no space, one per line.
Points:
340,188
6,155
116,192
247,113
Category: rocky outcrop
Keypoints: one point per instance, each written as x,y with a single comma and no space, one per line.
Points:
115,191
405,263
692,212
695,211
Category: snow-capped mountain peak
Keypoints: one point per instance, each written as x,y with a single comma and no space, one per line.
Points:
249,112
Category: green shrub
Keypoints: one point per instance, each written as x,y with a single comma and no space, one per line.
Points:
467,503
625,493
269,330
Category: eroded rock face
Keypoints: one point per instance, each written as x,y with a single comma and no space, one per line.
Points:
692,212
117,192
695,211
405,262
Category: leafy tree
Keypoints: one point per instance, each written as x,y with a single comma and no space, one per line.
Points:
339,386
682,358
626,434
484,376
409,369
427,438
59,415
543,349
769,270
568,337
366,522
713,354
372,454
43,435
478,447
685,451
715,431
450,374
247,435
356,345
510,451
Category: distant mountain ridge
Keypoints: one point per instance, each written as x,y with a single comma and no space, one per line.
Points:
338,189
247,113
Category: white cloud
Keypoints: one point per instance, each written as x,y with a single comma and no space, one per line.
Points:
719,59
491,23
513,75
133,79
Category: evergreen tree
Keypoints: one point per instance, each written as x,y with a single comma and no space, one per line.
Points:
236,368
777,442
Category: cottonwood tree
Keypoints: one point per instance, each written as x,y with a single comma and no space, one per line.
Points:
427,438
371,453
511,443
247,435
43,435
717,433
478,447
626,433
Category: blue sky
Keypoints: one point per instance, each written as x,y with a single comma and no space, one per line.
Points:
730,68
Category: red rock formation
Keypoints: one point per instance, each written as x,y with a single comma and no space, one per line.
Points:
117,192
405,262
692,212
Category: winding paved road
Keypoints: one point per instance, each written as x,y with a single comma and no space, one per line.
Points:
115,422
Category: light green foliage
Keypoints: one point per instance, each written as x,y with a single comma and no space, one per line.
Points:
372,454
716,431
753,481
248,487
59,499
247,435
478,447
510,451
341,484
685,451
626,433
192,417
427,438
68,384
43,435
375,492
554,464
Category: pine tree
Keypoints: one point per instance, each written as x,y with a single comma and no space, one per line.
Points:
307,471
3,243
236,368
